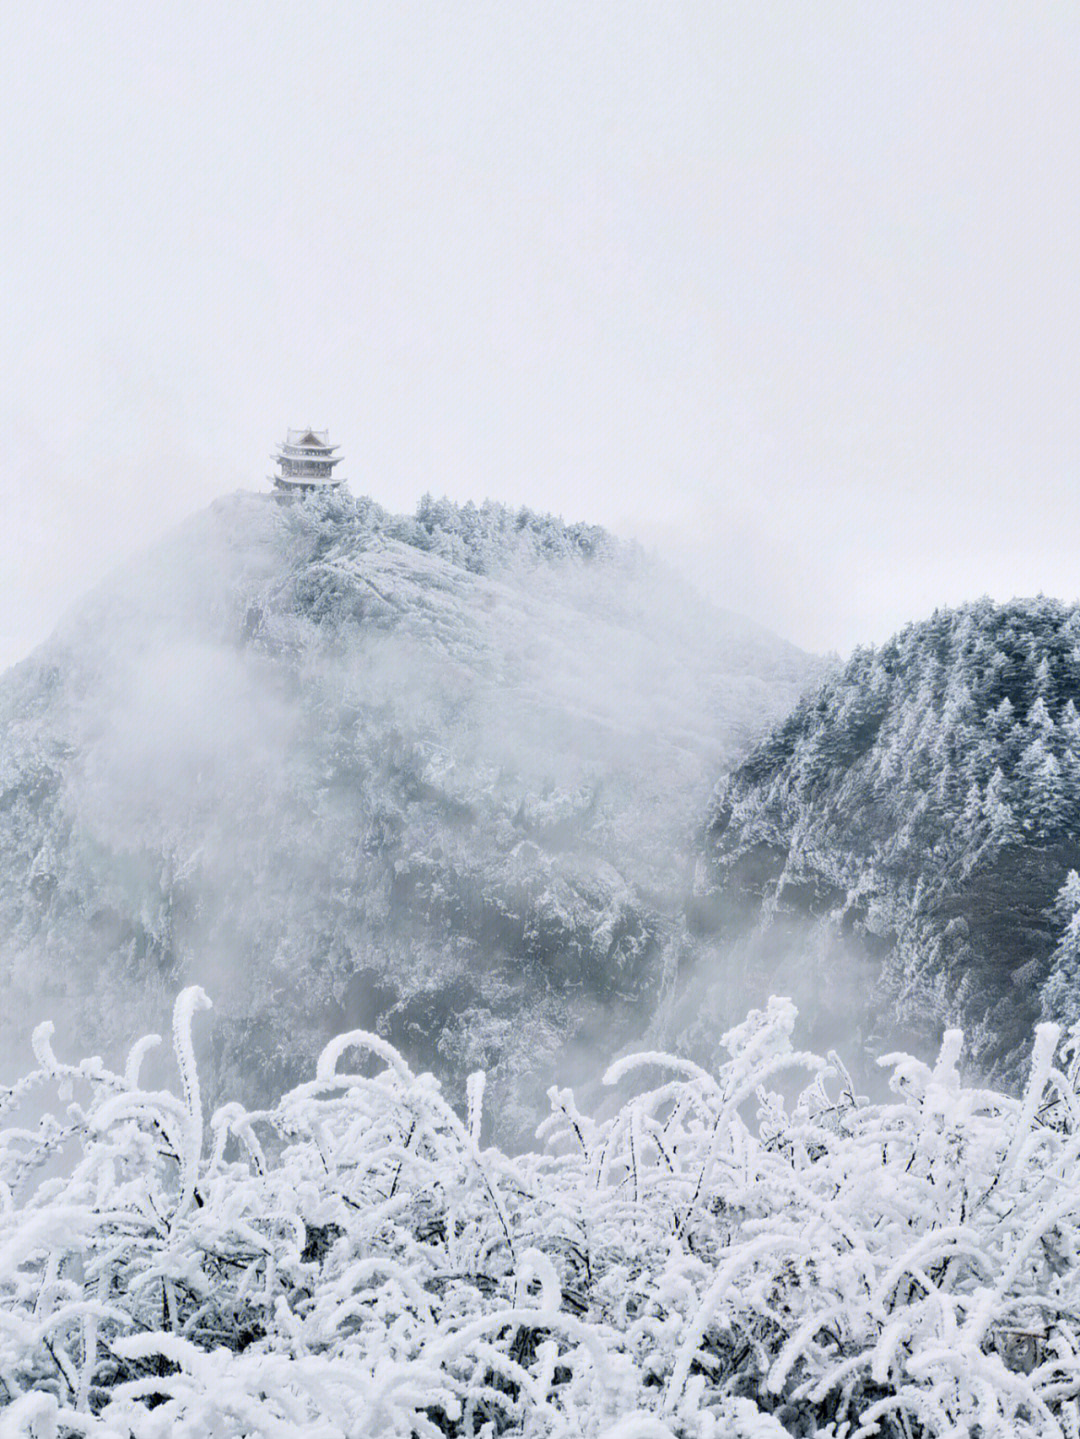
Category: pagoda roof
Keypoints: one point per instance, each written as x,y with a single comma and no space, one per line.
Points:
310,439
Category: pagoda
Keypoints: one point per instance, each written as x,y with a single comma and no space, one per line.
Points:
306,462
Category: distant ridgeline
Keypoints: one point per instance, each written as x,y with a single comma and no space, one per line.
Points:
911,835
435,776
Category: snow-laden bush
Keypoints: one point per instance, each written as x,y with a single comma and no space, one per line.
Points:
716,1261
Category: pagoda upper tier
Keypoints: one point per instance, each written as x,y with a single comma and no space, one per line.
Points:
306,462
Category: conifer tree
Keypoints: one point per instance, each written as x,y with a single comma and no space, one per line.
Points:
1061,992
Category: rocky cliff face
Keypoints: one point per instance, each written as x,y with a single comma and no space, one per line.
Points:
434,776
898,852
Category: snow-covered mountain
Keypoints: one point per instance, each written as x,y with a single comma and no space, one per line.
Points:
901,852
436,777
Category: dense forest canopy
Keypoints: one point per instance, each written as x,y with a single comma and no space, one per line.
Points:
923,805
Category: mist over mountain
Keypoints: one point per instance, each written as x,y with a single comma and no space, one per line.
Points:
436,777
440,791
901,852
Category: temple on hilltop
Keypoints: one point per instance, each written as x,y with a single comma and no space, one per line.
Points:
306,461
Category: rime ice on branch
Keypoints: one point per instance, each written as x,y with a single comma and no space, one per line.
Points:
712,1260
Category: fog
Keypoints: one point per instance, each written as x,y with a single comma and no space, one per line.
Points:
788,293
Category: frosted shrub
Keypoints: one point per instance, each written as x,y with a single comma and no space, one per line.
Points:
716,1261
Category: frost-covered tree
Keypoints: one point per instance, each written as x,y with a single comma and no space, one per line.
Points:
1061,992
1044,784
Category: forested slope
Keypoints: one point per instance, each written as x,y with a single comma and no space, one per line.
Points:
901,849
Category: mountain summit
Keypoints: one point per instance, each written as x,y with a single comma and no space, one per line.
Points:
433,776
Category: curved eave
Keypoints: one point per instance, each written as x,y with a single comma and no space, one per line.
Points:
305,482
308,459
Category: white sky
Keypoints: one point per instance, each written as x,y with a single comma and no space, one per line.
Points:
789,291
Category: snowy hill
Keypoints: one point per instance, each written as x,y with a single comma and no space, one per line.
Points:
435,777
900,853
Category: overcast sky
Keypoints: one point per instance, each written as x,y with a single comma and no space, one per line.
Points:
790,292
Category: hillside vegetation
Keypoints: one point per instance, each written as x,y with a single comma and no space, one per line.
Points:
903,847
